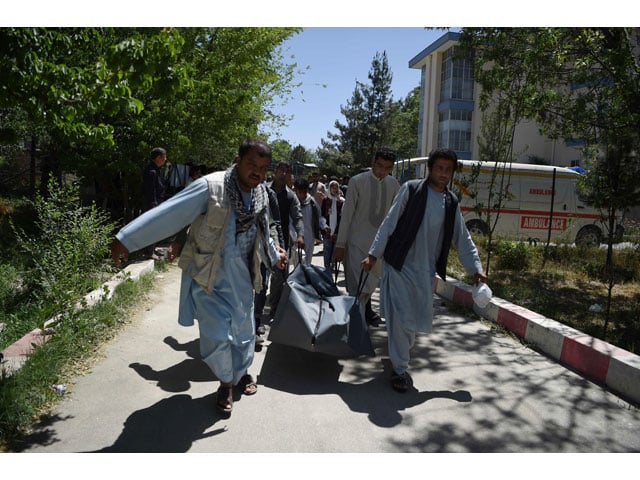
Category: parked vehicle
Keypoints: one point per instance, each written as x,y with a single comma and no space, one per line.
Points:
529,201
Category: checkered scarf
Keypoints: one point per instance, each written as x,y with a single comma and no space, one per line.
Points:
259,201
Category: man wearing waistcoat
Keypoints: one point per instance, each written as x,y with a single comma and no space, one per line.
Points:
229,238
413,242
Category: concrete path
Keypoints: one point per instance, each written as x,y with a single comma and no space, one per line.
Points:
475,390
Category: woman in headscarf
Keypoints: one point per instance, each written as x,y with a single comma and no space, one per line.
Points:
331,210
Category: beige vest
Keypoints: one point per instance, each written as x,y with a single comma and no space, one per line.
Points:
201,255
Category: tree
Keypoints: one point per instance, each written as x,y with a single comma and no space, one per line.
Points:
581,84
333,160
404,124
96,100
236,74
368,118
65,81
281,150
233,76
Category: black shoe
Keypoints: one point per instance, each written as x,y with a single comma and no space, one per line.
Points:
260,330
371,317
400,383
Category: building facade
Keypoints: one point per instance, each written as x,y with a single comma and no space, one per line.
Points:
450,115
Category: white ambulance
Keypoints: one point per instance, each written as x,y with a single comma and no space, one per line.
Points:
525,211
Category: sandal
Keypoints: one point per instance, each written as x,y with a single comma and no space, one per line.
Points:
248,386
224,402
400,383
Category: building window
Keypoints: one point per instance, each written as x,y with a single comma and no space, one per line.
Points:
454,130
456,103
456,79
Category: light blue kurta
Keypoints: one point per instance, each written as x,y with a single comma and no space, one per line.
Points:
225,317
407,295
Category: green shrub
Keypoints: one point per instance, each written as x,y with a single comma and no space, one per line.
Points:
512,255
627,263
68,250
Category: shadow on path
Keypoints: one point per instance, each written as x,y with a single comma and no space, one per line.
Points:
171,425
306,373
178,377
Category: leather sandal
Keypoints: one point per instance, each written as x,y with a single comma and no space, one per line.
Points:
248,386
224,401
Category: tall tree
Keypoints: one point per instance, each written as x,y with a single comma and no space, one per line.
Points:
367,115
232,74
281,150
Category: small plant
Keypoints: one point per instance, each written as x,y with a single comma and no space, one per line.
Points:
512,255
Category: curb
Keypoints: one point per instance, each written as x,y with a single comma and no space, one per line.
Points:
596,359
15,355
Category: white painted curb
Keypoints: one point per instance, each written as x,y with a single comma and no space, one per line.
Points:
599,361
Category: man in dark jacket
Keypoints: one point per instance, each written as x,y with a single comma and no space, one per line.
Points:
154,187
290,214
153,182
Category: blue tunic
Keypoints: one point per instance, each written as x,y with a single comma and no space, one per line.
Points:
225,317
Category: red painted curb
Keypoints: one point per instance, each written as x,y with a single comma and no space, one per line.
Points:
589,355
25,345
514,321
463,297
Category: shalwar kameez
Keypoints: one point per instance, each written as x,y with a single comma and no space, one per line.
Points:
406,295
225,315
365,207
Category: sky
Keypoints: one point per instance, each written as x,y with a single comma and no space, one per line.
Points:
337,58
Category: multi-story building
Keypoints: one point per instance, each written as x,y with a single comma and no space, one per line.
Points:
450,115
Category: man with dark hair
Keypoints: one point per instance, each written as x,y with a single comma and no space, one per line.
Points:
291,223
228,240
153,182
312,219
154,188
414,241
261,295
344,185
366,204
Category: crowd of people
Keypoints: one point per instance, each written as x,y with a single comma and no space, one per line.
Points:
238,235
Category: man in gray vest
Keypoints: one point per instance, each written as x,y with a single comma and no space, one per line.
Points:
414,241
229,238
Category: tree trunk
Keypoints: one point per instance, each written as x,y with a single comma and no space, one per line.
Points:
32,167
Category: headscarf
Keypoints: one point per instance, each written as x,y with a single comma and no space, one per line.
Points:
333,214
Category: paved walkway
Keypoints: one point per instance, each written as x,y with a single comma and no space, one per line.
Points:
475,390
